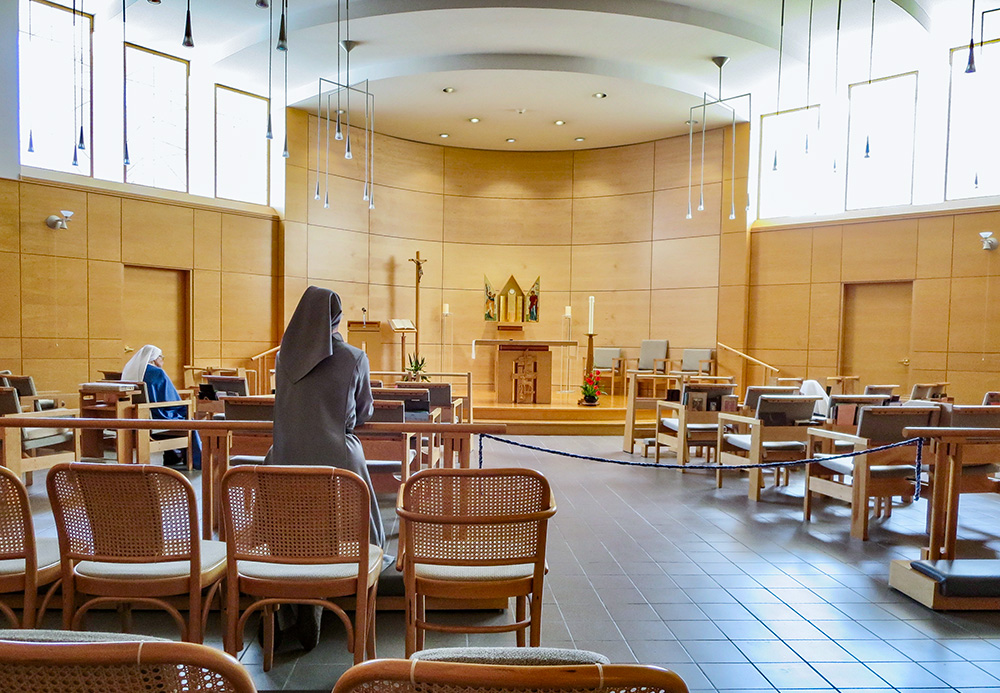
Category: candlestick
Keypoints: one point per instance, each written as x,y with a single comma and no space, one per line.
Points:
590,322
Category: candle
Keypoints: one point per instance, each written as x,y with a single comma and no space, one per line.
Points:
569,311
590,322
447,309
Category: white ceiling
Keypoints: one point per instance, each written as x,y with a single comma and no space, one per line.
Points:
521,65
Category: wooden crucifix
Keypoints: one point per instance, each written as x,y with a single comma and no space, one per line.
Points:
416,321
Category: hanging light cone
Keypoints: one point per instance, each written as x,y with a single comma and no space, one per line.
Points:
347,149
701,202
364,195
263,4
127,161
868,148
971,67
338,133
81,144
688,215
76,162
188,41
807,143
284,152
976,181
834,165
31,141
774,167
282,35
270,134
326,200
316,195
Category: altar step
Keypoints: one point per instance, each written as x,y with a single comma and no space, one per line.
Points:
555,419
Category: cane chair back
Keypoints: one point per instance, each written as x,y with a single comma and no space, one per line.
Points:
418,676
26,563
120,667
300,534
477,534
129,533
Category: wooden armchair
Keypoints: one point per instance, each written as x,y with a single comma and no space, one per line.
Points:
888,390
231,385
929,391
31,399
609,361
846,409
417,408
991,399
753,394
777,433
390,456
29,449
692,422
700,361
149,441
876,476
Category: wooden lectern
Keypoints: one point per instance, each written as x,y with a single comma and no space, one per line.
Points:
367,336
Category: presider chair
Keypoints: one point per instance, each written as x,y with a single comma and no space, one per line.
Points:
609,361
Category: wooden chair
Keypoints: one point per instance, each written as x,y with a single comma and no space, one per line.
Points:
149,441
26,563
753,394
474,534
888,390
129,534
777,433
991,399
391,457
31,399
246,445
692,422
113,667
926,391
440,398
846,409
700,361
300,535
230,385
876,476
29,449
418,676
609,361
417,408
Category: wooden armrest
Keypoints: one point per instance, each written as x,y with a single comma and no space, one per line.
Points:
147,407
704,361
661,365
836,435
49,413
736,418
673,406
620,363
435,415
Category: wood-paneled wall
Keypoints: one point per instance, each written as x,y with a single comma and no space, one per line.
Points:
608,223
798,274
62,289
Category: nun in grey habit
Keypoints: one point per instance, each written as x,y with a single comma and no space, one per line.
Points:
322,393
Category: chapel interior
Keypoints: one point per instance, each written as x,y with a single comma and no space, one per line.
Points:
586,243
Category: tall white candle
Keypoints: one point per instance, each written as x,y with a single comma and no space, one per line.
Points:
447,309
590,322
569,311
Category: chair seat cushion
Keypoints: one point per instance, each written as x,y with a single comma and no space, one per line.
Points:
511,656
47,552
162,434
969,577
32,433
324,571
742,441
238,460
213,563
673,425
845,465
43,635
473,573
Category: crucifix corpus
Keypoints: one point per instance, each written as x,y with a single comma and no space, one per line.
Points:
419,267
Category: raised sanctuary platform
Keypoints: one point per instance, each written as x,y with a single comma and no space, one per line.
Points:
561,416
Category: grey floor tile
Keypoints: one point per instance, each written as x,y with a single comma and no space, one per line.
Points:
792,674
961,674
736,677
906,675
713,651
821,651
767,651
849,675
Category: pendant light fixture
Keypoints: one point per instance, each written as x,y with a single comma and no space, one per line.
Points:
125,159
319,124
283,29
781,51
31,131
348,45
76,92
188,41
971,67
836,67
809,56
338,133
263,4
690,124
284,151
326,199
871,54
270,31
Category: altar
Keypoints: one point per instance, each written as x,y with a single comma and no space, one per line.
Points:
522,370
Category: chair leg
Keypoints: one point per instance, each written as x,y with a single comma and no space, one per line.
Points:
807,499
520,615
421,617
536,618
370,646
268,617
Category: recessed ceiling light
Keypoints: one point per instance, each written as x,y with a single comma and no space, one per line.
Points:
580,139
473,120
560,122
600,95
443,134
511,139
448,90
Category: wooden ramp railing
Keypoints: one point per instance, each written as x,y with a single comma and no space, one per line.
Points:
750,367
263,364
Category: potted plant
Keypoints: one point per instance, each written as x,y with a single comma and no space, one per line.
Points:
591,388
415,368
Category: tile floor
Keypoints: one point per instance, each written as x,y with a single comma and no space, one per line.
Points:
659,567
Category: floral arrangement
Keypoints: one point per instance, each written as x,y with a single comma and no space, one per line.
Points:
591,387
415,369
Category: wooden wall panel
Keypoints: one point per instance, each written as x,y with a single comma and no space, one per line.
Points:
61,375
827,250
969,259
207,319
465,264
974,318
294,248
670,213
734,259
10,216
353,168
621,318
337,254
297,182
518,175
38,202
879,251
248,245
781,258
931,302
55,349
934,242
732,316
407,214
104,227
389,262
613,171
52,305
507,221
159,235
687,317
621,218
686,262
671,160
207,240
611,267
10,289
247,310
779,317
347,209
824,316
409,165
105,283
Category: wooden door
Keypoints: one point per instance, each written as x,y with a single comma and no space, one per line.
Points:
155,312
876,333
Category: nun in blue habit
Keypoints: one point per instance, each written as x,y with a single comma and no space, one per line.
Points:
147,366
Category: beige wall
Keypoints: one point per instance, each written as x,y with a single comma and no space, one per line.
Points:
608,223
797,279
62,316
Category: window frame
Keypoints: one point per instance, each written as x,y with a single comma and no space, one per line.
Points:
215,143
947,140
187,110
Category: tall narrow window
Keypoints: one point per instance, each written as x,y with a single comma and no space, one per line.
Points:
973,149
55,87
880,143
797,174
241,150
157,119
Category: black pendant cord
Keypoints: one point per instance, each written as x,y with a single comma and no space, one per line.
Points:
836,65
347,118
270,39
284,152
809,55
781,50
971,67
338,134
31,131
871,45
125,158
84,34
76,90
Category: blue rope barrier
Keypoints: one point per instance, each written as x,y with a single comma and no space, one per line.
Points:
918,463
